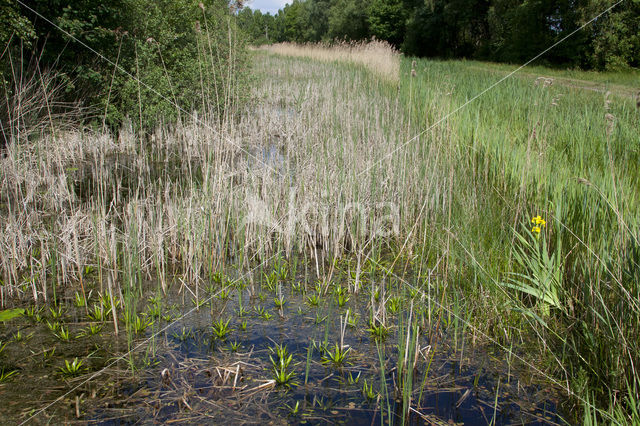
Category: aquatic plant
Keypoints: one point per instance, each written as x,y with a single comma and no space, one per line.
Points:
106,303
270,280
168,317
140,323
368,392
378,330
6,375
57,312
282,375
47,356
79,301
279,302
221,329
413,293
393,305
283,271
217,277
63,334
262,312
319,319
90,330
351,380
199,303
33,312
154,311
19,337
98,313
342,299
53,326
224,294
313,300
352,318
72,369
293,411
338,356
184,334
241,311
542,274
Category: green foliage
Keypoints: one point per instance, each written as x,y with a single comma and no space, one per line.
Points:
338,357
256,25
186,55
72,369
281,363
541,276
617,41
368,392
221,329
498,30
348,20
387,20
6,375
140,323
9,314
14,24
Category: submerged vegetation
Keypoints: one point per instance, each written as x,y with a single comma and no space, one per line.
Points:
377,231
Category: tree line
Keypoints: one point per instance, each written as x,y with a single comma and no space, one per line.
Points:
496,30
148,61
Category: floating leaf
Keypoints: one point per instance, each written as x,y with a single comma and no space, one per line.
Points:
9,314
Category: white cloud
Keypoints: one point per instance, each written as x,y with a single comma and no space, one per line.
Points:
270,6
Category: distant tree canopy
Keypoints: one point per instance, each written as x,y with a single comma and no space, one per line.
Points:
168,52
500,30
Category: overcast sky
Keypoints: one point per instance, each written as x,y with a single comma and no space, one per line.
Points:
271,6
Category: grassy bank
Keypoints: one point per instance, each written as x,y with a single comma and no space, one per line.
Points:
568,154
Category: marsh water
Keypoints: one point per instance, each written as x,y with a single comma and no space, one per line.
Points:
176,370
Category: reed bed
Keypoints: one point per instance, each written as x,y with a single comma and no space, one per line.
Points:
376,55
331,162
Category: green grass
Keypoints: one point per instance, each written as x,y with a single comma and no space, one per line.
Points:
625,79
519,151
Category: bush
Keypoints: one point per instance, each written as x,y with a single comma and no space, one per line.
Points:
172,56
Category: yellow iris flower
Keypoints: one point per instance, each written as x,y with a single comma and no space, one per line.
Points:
538,221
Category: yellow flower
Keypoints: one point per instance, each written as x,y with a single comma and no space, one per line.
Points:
538,220
536,229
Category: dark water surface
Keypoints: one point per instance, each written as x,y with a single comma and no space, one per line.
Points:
186,375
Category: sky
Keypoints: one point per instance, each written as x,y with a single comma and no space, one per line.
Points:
271,6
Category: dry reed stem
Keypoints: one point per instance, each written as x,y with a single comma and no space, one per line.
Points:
378,56
185,199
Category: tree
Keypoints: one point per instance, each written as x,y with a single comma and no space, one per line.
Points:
616,37
14,24
387,20
315,19
162,43
348,20
448,29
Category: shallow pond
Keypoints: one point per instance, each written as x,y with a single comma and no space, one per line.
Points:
219,361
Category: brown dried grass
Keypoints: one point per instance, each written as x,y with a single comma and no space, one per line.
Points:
376,55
